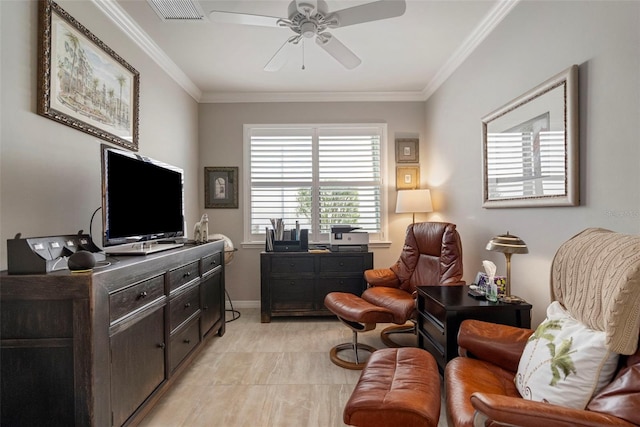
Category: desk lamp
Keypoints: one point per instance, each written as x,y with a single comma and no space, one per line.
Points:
507,244
414,201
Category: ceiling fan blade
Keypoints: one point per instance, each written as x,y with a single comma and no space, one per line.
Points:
281,57
307,6
339,51
243,18
377,10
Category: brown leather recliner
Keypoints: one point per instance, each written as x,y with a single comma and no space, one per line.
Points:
596,277
432,256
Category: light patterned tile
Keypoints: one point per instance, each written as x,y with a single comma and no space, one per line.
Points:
274,374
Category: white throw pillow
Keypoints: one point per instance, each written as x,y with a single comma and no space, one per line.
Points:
564,362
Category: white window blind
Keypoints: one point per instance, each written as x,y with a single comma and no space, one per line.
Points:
318,175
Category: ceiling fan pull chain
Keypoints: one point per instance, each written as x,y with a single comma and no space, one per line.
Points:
303,54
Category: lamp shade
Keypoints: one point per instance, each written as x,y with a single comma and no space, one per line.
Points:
508,244
412,201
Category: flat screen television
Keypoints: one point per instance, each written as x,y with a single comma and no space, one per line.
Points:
142,199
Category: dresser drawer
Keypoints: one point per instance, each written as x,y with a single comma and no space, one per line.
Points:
135,297
437,311
286,264
183,275
429,326
183,306
436,351
210,262
183,343
292,294
341,264
354,285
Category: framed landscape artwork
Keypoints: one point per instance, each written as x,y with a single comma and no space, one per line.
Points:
221,187
82,83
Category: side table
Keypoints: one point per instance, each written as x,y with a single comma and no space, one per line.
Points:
441,309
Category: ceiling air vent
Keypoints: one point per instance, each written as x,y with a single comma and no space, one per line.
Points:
178,10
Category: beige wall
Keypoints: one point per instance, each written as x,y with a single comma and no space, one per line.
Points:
221,145
50,173
536,41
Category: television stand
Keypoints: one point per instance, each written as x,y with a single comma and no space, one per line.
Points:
140,249
100,349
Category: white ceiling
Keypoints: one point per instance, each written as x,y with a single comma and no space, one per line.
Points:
403,58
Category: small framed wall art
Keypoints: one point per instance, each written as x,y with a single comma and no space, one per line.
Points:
407,150
221,187
407,177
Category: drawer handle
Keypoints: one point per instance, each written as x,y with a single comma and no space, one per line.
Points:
213,262
206,307
161,345
142,294
187,305
187,341
292,283
187,274
341,264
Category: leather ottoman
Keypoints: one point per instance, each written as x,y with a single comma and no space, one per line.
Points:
397,387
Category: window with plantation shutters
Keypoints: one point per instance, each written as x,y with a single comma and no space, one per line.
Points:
316,175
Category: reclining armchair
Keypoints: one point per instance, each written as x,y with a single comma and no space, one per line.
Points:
595,277
432,256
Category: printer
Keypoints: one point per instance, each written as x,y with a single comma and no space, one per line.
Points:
345,238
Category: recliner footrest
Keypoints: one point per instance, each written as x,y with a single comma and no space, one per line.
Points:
352,308
398,387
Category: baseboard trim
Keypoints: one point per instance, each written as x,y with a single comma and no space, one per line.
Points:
243,304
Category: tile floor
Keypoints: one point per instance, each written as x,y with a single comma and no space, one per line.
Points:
274,374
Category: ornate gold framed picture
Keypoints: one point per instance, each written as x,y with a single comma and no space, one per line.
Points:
407,177
82,83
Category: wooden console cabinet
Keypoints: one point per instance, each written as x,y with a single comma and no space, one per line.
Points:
295,283
100,348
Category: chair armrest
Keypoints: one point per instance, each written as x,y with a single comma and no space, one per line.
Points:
499,344
382,277
507,410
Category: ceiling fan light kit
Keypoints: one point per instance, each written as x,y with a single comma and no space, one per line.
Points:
310,18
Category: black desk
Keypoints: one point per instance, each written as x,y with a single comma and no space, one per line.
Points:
295,283
441,309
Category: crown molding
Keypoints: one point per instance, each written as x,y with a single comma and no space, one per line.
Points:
114,12
129,27
238,97
477,36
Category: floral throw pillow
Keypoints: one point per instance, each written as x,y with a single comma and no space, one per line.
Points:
564,362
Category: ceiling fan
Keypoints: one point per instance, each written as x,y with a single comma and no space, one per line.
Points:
311,18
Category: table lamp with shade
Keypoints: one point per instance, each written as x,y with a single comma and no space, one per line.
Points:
412,201
507,244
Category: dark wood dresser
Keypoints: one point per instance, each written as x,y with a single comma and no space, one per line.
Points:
99,348
295,283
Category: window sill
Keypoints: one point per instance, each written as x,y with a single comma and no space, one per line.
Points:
372,245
